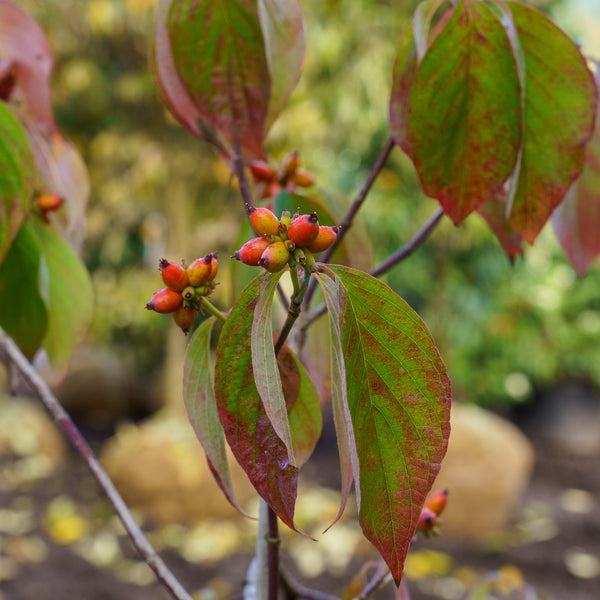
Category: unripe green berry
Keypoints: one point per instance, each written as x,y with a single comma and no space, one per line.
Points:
303,230
251,251
264,221
185,317
165,301
188,293
174,275
275,257
324,239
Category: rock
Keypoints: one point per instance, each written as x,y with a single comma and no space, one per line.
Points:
27,430
160,469
486,470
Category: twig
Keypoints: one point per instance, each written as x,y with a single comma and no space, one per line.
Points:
64,421
346,224
381,577
385,266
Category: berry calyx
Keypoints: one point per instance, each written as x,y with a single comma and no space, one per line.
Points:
185,317
251,251
174,275
275,257
165,301
303,230
437,501
324,239
427,520
200,271
263,221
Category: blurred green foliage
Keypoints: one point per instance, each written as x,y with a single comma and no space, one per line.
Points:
504,331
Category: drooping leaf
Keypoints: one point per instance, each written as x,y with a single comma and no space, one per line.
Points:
250,435
283,31
24,46
67,291
398,396
218,53
264,364
23,313
576,221
199,400
464,118
494,213
349,461
16,177
560,103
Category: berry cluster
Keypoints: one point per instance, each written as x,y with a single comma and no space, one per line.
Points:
186,289
430,512
280,238
270,181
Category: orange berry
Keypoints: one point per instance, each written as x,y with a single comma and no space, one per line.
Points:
324,239
303,178
303,230
264,221
184,316
427,520
251,251
200,271
49,202
437,501
214,265
289,165
262,171
165,301
275,257
174,275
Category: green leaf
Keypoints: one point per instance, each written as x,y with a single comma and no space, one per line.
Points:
218,54
248,431
560,102
398,396
199,400
67,290
23,312
264,364
283,31
464,115
16,177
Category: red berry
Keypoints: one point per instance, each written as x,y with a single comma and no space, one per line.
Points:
261,170
275,257
174,275
200,271
437,501
427,520
165,301
303,230
324,239
184,316
214,265
251,251
264,221
48,202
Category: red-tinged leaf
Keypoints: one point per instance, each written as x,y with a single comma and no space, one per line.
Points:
219,55
201,406
66,288
264,364
283,31
172,90
464,116
252,439
16,177
560,104
64,173
23,44
349,461
494,213
398,395
316,356
576,221
405,70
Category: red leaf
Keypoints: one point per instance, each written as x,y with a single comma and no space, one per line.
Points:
494,213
